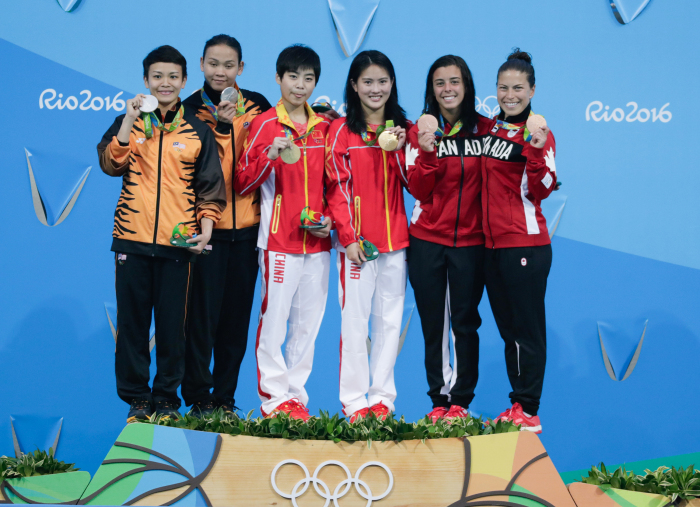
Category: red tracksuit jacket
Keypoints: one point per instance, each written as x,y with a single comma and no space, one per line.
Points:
364,189
285,189
516,179
447,186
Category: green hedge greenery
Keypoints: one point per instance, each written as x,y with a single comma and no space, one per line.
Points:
337,428
677,484
33,464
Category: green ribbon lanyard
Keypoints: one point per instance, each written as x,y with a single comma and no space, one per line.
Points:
389,124
150,119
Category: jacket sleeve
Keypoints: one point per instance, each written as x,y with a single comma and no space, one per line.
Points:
209,185
254,167
339,183
421,167
541,170
113,155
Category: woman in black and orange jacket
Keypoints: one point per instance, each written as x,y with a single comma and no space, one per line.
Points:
447,242
223,280
518,172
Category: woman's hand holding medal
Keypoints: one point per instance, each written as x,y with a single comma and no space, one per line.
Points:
537,126
278,145
427,126
133,107
226,111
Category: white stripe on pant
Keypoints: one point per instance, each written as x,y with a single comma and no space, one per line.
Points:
294,289
378,289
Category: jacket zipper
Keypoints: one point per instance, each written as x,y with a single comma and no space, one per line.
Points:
488,215
233,191
358,217
306,187
276,213
160,156
386,202
459,200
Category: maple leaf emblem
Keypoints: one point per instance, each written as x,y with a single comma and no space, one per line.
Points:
411,155
549,160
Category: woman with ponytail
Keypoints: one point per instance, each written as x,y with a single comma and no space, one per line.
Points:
364,188
447,241
518,173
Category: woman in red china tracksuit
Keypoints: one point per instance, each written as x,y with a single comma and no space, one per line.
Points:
364,188
518,172
447,241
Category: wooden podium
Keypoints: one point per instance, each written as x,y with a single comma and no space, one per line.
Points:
157,465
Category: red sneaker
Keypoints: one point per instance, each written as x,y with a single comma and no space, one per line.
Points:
359,414
516,415
294,408
437,413
380,410
456,412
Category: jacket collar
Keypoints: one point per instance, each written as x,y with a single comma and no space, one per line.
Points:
170,115
284,119
518,118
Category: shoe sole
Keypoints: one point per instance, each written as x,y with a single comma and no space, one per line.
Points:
533,429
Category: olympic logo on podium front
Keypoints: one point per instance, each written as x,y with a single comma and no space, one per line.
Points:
340,490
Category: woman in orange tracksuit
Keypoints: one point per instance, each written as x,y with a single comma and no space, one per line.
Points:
364,188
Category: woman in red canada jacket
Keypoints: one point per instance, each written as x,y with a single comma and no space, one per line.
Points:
364,189
447,242
518,172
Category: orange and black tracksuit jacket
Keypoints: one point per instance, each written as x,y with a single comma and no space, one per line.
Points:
241,219
169,178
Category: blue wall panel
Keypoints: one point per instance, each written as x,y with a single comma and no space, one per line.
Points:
626,249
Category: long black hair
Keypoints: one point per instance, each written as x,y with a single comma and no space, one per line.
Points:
519,61
467,109
355,115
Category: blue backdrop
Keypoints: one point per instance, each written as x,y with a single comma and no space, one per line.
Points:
626,262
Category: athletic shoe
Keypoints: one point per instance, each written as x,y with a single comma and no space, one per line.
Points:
359,414
456,412
437,413
516,415
380,411
139,410
167,409
204,408
294,408
229,408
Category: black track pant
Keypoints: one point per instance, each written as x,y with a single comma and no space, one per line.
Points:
144,285
516,281
430,267
222,299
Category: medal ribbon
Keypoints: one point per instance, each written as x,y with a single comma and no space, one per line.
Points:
365,137
150,119
288,133
527,135
240,105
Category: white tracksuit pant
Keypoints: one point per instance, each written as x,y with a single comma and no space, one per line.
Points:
294,290
378,288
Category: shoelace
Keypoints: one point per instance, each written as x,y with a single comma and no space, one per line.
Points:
205,405
297,405
140,404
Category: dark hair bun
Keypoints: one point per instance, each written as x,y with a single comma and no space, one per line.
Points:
520,55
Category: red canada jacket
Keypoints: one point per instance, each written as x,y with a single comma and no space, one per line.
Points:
285,189
516,177
364,189
447,186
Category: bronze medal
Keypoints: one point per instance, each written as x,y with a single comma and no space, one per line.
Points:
427,122
535,122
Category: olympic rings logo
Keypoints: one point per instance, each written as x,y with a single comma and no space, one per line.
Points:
483,108
322,489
